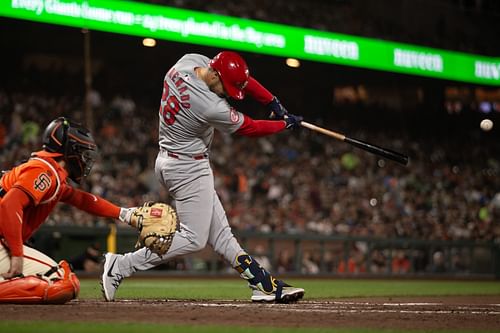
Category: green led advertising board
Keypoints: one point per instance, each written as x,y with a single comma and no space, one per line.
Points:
226,32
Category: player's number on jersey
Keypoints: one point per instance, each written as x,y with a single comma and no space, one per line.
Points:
169,107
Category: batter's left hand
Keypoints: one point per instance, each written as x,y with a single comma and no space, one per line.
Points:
278,111
293,121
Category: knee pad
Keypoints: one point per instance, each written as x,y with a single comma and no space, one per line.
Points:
257,276
40,290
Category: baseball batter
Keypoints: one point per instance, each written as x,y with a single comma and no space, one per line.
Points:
28,193
193,104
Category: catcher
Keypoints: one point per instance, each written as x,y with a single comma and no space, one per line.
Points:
28,194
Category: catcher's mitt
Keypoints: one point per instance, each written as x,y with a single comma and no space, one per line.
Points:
157,223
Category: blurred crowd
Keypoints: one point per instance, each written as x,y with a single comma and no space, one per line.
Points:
461,25
299,182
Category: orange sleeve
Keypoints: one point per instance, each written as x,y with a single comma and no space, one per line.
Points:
89,203
11,219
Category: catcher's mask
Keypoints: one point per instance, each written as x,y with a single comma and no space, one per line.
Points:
75,144
233,72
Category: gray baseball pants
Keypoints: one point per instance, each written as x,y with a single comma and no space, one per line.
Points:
203,219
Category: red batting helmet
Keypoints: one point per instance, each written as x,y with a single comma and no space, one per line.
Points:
233,72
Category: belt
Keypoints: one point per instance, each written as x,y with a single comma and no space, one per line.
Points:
181,156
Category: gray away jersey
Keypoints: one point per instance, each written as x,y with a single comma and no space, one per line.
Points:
189,111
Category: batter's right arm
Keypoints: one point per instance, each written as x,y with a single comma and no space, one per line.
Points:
258,91
264,96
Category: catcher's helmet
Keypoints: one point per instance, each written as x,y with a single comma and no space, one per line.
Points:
75,144
233,72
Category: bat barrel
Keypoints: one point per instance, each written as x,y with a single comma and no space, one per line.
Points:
384,152
387,153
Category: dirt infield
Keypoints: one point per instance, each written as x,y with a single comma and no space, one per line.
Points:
465,313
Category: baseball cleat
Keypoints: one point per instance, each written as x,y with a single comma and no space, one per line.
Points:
289,294
110,278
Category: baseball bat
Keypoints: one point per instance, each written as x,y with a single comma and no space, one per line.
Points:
384,152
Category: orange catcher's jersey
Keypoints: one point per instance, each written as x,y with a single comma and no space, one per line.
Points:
44,181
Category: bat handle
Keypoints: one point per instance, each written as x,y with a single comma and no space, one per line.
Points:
313,127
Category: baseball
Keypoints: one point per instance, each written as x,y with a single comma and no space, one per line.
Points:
486,125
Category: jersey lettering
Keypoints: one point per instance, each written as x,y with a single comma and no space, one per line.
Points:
170,104
173,74
170,109
42,182
165,91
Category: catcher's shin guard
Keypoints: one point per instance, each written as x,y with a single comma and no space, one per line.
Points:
39,290
24,290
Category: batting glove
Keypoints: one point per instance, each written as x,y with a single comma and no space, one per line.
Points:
293,121
278,111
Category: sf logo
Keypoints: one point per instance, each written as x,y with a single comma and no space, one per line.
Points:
42,182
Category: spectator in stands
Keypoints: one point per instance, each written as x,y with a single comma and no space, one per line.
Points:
285,262
309,265
400,263
438,263
355,263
